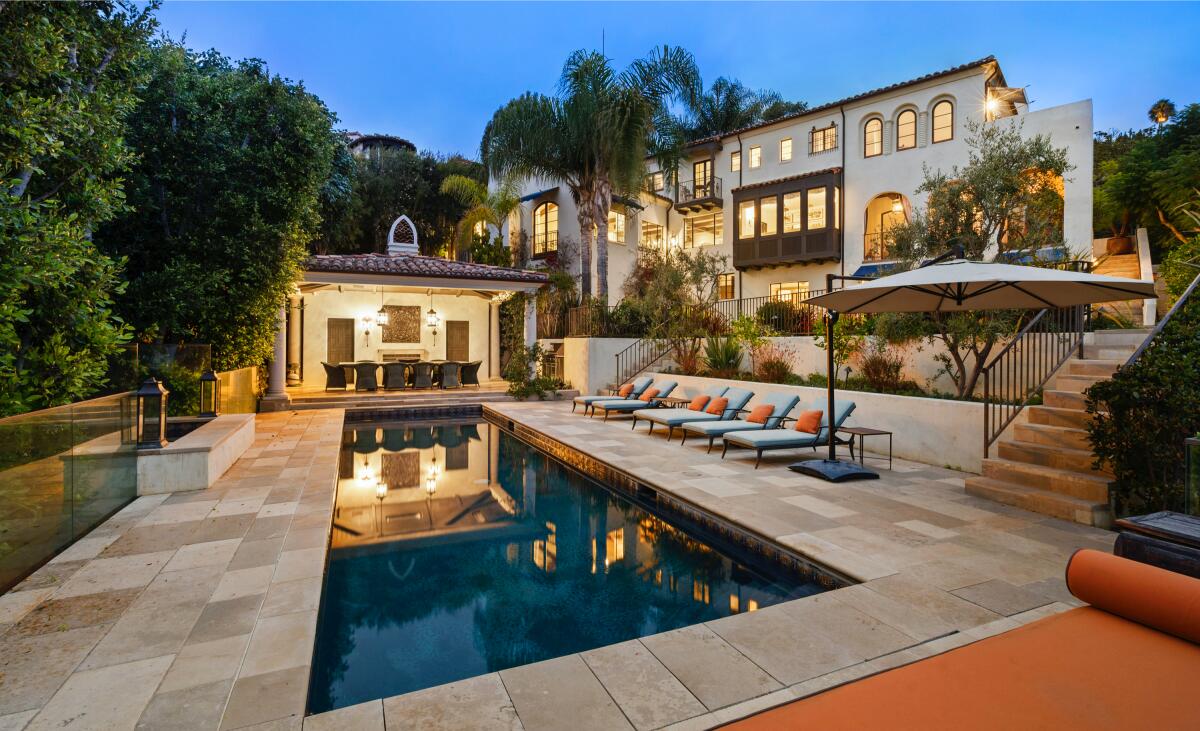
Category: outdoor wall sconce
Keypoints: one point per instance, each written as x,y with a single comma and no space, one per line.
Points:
381,317
151,419
431,481
432,320
381,490
210,394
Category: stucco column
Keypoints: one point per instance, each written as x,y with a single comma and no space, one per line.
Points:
494,340
277,398
293,341
531,326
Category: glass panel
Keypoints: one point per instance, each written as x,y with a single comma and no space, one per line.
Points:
62,472
746,219
768,215
702,231
735,161
873,138
793,291
906,130
239,391
725,287
785,149
821,140
792,220
755,156
943,121
816,208
545,228
616,227
652,236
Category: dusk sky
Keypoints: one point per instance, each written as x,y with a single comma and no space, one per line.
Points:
435,73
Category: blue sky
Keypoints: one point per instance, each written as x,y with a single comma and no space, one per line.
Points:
435,73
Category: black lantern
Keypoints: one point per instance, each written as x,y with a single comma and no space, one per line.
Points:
151,415
210,394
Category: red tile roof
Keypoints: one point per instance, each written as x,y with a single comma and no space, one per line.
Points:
419,266
765,183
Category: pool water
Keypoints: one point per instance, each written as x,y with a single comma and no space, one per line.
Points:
459,550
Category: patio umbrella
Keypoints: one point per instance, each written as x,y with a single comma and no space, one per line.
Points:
951,284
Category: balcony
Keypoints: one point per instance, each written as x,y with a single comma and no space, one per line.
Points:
692,196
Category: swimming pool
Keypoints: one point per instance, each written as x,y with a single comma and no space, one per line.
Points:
458,549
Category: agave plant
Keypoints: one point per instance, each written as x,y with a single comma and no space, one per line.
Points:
723,357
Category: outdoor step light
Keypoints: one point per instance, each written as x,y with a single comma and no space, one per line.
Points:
210,394
151,415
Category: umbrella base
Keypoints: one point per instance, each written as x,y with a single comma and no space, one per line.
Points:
833,470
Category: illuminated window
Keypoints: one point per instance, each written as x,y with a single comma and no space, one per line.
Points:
820,140
545,552
792,220
906,130
746,220
768,215
755,156
943,121
816,208
785,149
725,287
733,603
616,227
545,229
837,206
702,230
873,138
700,591
655,182
793,291
614,546
652,236
751,605
735,161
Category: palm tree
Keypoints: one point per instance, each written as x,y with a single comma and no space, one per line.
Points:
489,208
594,136
729,104
1161,112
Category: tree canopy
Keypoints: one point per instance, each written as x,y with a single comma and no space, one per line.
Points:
728,104
224,197
69,72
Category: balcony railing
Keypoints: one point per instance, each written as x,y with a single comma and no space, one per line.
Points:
696,195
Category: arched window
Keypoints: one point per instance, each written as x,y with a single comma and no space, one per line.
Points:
906,130
943,121
884,212
873,138
545,229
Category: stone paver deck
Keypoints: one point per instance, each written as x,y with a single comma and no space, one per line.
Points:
199,610
194,610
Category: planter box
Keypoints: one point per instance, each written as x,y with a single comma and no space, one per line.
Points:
197,460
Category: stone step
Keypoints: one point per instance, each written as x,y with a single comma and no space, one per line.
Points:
1093,367
1073,418
1063,458
1119,352
1053,436
1091,487
1064,399
1115,338
1040,501
1078,384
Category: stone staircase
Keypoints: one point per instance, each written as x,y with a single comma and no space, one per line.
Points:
1121,265
1045,464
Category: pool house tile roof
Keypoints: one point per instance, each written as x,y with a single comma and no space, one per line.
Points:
420,266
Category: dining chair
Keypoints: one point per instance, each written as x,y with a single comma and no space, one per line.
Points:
395,375
422,374
450,371
364,377
335,376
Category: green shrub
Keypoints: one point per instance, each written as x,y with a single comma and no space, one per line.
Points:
779,315
1141,416
882,367
722,357
522,385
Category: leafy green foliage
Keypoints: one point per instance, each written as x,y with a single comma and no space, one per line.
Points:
224,201
1141,416
773,363
523,376
1182,262
69,71
881,365
728,104
722,357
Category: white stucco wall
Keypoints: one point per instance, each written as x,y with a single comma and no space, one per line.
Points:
590,364
938,432
327,303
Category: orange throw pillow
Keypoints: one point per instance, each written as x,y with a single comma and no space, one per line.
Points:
717,406
625,390
648,394
699,403
809,421
759,414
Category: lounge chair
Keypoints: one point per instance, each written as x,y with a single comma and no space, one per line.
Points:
674,418
1118,662
659,389
787,438
637,385
335,376
780,403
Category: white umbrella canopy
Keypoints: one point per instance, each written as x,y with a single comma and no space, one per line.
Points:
959,285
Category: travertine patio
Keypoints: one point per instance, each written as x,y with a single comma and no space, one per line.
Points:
199,611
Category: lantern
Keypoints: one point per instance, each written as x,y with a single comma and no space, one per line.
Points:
210,394
381,490
431,317
151,415
1191,478
381,317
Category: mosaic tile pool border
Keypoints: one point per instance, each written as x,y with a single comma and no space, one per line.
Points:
413,413
621,481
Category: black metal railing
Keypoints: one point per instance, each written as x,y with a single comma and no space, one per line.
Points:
552,324
639,356
783,314
688,192
1026,363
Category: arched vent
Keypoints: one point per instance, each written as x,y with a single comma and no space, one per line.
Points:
402,238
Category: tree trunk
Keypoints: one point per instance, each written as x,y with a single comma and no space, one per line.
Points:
585,250
602,203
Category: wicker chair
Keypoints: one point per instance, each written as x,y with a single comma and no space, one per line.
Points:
394,376
422,375
470,373
335,376
364,377
450,375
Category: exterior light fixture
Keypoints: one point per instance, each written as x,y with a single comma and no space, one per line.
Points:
210,394
381,490
432,320
381,317
992,105
431,480
897,206
151,415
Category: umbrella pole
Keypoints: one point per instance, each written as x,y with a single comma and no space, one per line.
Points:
831,318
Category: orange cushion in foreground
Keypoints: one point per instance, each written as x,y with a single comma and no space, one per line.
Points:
625,390
760,414
1083,669
809,421
698,403
717,405
648,394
